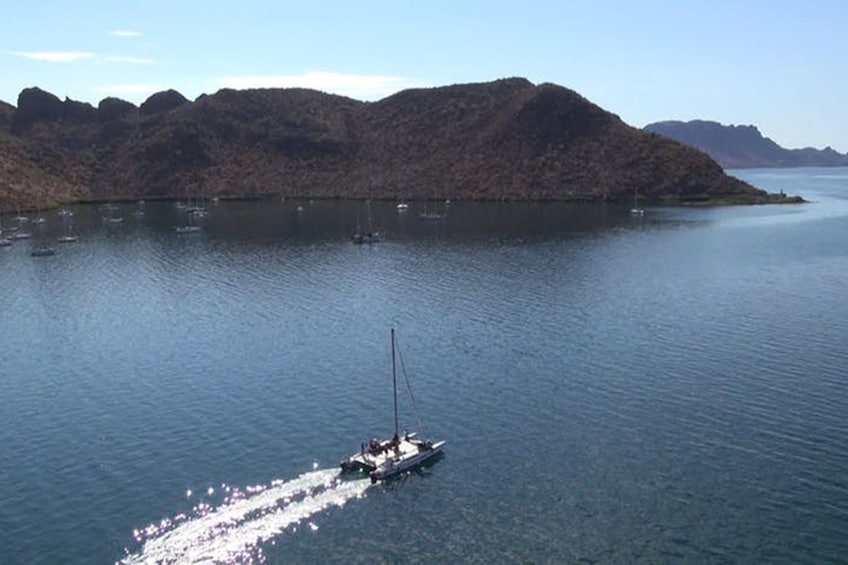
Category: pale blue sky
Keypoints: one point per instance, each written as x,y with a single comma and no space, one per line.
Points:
780,65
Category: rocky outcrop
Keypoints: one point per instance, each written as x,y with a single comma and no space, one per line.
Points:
742,147
36,105
6,112
507,139
111,109
162,102
81,112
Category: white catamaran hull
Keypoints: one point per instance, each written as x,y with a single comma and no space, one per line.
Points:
385,459
405,461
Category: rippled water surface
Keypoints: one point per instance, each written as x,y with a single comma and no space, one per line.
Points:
612,389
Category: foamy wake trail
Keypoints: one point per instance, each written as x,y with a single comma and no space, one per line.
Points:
236,530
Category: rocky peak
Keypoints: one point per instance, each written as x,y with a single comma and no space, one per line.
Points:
6,113
111,109
36,105
75,111
162,102
558,115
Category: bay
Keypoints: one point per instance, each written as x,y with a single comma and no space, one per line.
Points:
612,388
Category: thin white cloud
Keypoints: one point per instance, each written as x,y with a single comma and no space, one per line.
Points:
362,87
125,33
53,56
130,60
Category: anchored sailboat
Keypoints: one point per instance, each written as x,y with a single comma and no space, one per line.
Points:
4,241
636,210
369,236
383,459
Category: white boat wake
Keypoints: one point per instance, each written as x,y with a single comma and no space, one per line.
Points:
236,529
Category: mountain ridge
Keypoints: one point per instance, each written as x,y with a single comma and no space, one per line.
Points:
502,140
743,146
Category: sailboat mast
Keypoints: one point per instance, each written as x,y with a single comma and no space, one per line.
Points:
394,381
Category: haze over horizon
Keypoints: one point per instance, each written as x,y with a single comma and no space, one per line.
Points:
769,64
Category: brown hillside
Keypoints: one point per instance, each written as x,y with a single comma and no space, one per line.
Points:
507,139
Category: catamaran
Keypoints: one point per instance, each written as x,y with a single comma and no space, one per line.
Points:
383,459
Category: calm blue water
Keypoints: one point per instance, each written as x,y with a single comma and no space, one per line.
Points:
612,389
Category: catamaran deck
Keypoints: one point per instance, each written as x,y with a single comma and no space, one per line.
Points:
383,459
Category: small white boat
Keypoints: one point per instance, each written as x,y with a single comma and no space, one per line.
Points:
5,242
187,229
42,251
369,237
384,459
21,235
68,236
403,207
431,216
636,210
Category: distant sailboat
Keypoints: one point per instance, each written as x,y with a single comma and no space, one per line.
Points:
21,235
636,210
431,215
4,241
68,237
38,219
369,236
20,217
189,227
42,251
109,216
196,209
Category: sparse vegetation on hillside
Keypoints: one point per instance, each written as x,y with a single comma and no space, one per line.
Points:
507,139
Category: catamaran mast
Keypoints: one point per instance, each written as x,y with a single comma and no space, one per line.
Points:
394,381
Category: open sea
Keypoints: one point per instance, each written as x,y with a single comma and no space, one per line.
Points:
612,388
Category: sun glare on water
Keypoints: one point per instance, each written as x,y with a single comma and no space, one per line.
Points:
247,518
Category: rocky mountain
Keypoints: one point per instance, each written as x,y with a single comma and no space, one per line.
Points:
507,139
744,147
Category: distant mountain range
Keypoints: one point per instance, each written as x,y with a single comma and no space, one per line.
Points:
506,139
744,147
